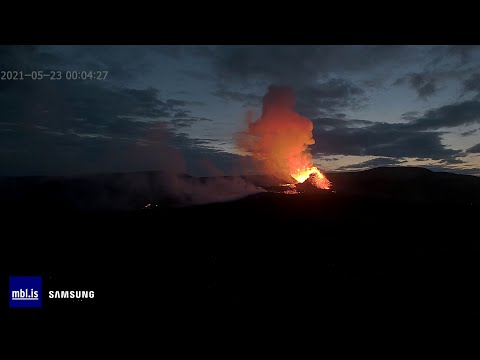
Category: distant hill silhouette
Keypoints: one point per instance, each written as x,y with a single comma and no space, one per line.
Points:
410,184
132,191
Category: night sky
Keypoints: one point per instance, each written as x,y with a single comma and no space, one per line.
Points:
181,107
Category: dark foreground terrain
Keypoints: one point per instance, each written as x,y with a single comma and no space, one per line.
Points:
392,248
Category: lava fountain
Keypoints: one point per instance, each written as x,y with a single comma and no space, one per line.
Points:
280,138
315,176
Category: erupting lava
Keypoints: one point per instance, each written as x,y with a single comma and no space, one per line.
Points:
316,177
279,140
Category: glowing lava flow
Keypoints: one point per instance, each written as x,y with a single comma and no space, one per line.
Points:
316,177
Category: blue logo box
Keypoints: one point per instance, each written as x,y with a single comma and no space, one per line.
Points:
25,292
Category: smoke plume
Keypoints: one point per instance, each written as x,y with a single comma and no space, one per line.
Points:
195,191
279,139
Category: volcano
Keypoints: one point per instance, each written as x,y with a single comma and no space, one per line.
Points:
279,140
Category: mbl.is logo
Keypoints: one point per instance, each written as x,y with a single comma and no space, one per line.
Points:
25,291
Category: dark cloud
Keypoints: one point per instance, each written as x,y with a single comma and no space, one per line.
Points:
173,51
390,142
457,114
124,62
86,107
199,75
322,98
39,153
464,52
61,127
410,115
140,146
360,137
372,163
441,71
472,83
329,123
424,84
424,89
474,149
181,114
248,99
450,56
26,58
469,133
329,97
172,103
299,64
184,122
127,62
452,161
308,69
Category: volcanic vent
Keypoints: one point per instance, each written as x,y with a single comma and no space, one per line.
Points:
279,141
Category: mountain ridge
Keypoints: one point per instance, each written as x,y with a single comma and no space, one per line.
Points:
133,191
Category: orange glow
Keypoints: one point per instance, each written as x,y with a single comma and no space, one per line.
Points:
280,139
317,178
